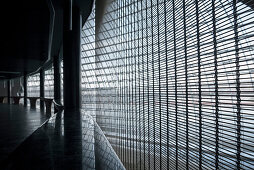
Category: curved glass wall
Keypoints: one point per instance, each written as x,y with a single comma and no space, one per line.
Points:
33,84
88,79
171,82
49,83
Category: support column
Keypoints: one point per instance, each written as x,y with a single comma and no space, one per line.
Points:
71,60
9,91
72,91
25,90
42,93
57,79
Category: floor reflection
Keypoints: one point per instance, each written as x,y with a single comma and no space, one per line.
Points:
66,141
16,124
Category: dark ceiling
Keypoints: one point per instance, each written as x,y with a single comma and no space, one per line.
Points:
31,34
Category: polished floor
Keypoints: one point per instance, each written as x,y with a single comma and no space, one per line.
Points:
16,124
69,140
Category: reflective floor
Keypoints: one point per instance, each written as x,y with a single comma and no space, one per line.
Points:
16,124
70,140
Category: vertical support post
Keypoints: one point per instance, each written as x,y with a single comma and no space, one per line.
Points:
57,79
42,93
71,61
9,91
25,90
72,98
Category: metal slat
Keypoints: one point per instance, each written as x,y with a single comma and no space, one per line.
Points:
164,75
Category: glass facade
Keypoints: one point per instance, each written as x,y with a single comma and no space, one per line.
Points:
170,83
33,84
49,83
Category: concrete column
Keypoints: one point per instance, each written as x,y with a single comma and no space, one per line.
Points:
9,91
57,79
25,90
72,91
42,93
72,61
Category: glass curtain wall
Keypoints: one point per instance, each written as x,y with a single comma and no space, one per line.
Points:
33,84
49,83
170,83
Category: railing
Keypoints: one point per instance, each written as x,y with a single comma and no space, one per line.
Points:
47,101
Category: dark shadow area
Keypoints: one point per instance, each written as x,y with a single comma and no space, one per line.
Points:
16,124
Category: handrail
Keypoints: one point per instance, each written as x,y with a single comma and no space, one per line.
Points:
48,102
58,106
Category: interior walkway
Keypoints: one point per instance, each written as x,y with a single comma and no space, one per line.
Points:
67,141
16,124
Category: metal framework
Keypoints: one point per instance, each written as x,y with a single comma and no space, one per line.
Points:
170,83
33,84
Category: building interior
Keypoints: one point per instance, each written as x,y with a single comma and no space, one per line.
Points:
127,84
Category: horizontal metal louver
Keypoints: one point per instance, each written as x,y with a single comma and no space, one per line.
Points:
171,82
